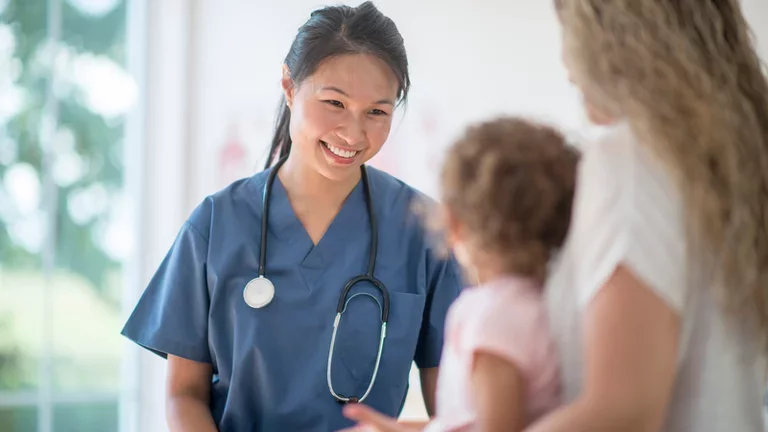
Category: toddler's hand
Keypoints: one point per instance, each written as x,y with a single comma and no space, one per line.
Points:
369,420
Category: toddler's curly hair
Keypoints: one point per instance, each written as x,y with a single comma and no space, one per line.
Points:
510,183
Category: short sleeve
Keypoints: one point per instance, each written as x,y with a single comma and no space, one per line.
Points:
171,316
512,330
628,212
444,285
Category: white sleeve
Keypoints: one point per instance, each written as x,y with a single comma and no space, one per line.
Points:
627,211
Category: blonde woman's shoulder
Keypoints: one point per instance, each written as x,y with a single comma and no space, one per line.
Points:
616,143
616,156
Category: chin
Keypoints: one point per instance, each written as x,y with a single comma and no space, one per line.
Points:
337,175
336,172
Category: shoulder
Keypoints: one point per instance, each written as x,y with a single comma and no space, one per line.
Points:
508,318
621,182
517,301
394,190
400,208
396,200
627,210
617,164
241,197
509,303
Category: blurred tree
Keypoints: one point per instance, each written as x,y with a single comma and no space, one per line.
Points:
88,163
10,366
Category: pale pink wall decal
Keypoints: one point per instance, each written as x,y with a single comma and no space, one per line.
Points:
233,159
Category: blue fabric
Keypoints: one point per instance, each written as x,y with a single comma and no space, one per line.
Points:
270,364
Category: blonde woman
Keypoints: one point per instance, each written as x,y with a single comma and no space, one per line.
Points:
660,298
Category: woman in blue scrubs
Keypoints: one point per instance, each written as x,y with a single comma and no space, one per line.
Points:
265,367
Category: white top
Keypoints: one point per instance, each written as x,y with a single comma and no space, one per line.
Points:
627,210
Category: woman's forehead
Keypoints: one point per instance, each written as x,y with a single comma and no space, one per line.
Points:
358,76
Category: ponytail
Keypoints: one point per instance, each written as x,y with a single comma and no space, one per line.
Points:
281,141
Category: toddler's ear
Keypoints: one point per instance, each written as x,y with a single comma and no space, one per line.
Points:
454,231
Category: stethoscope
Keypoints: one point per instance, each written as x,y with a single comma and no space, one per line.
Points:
260,291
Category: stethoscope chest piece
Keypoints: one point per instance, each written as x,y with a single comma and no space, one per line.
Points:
259,292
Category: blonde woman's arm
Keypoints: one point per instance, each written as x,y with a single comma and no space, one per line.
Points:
630,275
630,352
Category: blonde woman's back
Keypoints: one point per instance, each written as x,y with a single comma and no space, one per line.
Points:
628,211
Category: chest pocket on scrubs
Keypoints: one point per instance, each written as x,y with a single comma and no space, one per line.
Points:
359,337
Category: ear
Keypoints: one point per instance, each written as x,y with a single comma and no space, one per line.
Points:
454,231
286,82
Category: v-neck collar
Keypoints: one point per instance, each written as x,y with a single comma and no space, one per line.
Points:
285,225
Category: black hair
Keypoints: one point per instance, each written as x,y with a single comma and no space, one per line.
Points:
333,31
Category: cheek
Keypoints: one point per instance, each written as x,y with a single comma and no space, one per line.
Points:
378,132
597,116
596,113
309,122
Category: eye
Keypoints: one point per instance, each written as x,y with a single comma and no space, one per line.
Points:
378,112
335,103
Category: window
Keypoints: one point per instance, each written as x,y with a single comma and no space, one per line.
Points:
65,231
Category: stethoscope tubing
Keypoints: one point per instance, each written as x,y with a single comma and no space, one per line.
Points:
343,298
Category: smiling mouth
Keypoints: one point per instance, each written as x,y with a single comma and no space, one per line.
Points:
340,152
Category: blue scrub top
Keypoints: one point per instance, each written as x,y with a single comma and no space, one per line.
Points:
269,364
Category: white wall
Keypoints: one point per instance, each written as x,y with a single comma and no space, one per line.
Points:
157,180
467,62
756,12
213,79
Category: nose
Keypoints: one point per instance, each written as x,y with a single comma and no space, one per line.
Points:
352,131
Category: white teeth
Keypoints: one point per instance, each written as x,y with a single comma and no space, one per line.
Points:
340,152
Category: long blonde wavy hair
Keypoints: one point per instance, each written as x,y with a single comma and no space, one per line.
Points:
686,77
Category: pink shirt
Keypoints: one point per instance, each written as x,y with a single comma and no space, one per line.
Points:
507,318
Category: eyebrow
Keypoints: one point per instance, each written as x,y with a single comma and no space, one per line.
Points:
342,92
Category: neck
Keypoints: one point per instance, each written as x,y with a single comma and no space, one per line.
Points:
485,275
483,269
304,183
489,273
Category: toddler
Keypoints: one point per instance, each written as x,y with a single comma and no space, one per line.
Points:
507,189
